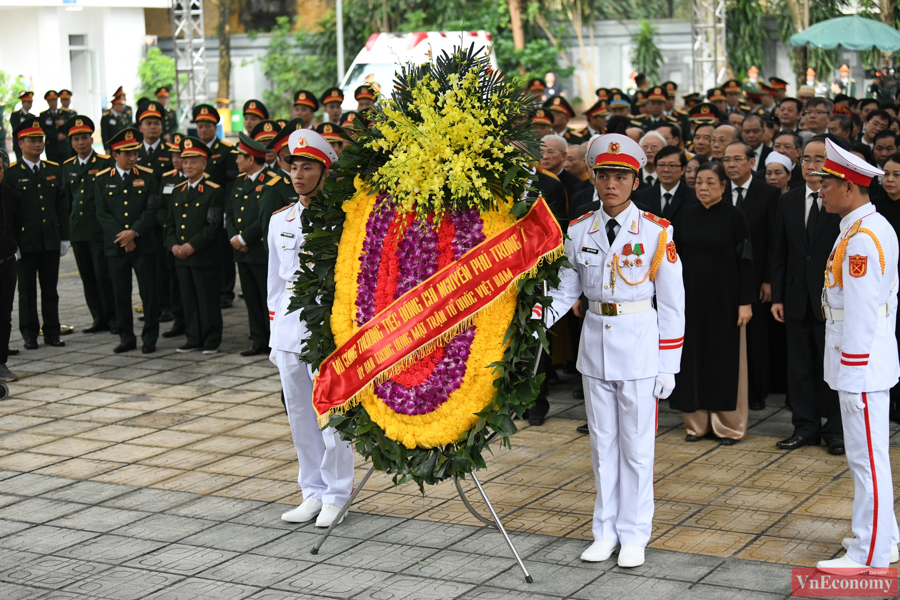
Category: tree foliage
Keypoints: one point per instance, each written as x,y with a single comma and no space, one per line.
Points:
154,71
646,57
746,36
10,88
822,61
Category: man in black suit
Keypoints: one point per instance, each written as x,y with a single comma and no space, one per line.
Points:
759,201
553,162
804,237
752,132
789,143
669,196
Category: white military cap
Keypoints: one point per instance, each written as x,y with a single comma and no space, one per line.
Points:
616,151
781,159
306,143
846,165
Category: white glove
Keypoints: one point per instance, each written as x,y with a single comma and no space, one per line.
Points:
665,384
851,402
18,254
272,355
64,247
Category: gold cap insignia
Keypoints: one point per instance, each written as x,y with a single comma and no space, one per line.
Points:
129,135
556,102
704,110
151,107
302,143
267,127
302,96
188,144
35,124
614,148
78,122
327,129
204,111
334,94
253,105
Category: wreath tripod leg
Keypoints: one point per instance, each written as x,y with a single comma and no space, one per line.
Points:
343,512
528,578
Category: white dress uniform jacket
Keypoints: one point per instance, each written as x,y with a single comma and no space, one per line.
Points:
285,241
861,350
627,346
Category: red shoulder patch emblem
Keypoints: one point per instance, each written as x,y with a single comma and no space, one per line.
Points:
671,253
858,265
658,220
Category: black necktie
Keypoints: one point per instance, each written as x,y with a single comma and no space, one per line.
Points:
36,170
304,220
611,231
667,202
150,151
740,200
813,215
649,180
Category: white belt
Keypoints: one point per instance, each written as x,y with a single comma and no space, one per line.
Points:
837,314
612,309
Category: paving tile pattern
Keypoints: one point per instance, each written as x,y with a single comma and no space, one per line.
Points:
163,476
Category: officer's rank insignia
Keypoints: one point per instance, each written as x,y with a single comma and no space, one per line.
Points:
671,253
595,226
200,189
858,265
138,183
634,227
590,250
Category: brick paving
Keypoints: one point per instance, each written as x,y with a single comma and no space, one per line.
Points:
164,476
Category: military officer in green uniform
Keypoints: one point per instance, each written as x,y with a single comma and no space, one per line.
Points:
45,234
254,112
563,113
26,99
65,103
305,107
684,121
263,133
655,110
193,231
222,170
53,123
169,182
279,191
114,120
84,226
170,121
332,104
242,222
127,204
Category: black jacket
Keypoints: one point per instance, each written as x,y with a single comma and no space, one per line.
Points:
650,200
798,260
761,163
797,178
10,220
760,206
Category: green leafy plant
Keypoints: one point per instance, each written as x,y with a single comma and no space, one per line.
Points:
10,88
646,57
154,71
746,36
822,61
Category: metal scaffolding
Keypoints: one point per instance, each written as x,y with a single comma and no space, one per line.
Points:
710,59
190,56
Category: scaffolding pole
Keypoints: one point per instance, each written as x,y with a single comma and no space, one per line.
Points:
709,55
190,56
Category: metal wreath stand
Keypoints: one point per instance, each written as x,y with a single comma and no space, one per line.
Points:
462,495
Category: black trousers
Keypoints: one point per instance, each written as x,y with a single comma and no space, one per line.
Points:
144,267
34,266
758,353
202,307
228,277
253,285
7,293
174,292
162,271
93,269
811,398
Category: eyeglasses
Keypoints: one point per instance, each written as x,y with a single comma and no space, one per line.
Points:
816,160
734,159
668,166
821,113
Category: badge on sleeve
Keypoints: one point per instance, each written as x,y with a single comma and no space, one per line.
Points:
671,254
858,265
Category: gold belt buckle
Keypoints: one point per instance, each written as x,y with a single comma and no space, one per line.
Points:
608,309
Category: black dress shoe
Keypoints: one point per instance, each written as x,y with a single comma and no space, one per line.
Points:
693,438
583,429
727,441
226,304
536,421
54,341
578,394
174,332
148,349
125,347
31,345
165,317
95,329
12,351
761,405
835,446
798,441
253,351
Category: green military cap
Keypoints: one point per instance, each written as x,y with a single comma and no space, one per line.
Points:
715,95
306,98
778,84
175,144
333,94
602,93
542,116
751,90
125,140
364,92
536,84
191,146
63,94
281,138
560,105
257,108
732,86
205,112
79,124
150,109
281,122
247,145
51,95
657,93
366,116
705,113
351,120
331,132
265,130
28,128
600,107
671,88
162,92
640,97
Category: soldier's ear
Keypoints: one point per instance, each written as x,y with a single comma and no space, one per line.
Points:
635,183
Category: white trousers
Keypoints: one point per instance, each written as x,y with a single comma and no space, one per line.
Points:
622,418
866,434
326,462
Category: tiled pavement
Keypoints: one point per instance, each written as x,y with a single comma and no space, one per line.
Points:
164,476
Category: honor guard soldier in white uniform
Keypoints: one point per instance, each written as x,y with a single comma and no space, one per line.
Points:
326,462
859,302
629,350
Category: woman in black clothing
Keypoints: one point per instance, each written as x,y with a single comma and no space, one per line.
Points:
713,240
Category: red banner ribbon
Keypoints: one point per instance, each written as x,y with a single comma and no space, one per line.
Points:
436,306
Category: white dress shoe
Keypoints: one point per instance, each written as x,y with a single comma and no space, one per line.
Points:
631,556
328,515
841,566
895,554
599,551
303,513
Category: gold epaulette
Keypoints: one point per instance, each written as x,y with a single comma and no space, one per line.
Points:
274,181
103,172
106,113
144,169
581,218
70,159
854,229
103,156
640,117
206,175
284,208
170,173
242,175
654,219
14,163
182,184
636,123
679,112
224,143
50,162
213,185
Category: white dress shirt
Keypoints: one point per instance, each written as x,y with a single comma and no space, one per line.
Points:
735,188
662,195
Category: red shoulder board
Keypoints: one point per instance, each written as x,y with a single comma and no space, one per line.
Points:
581,218
658,220
284,208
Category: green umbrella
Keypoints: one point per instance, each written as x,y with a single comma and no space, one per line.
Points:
853,33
